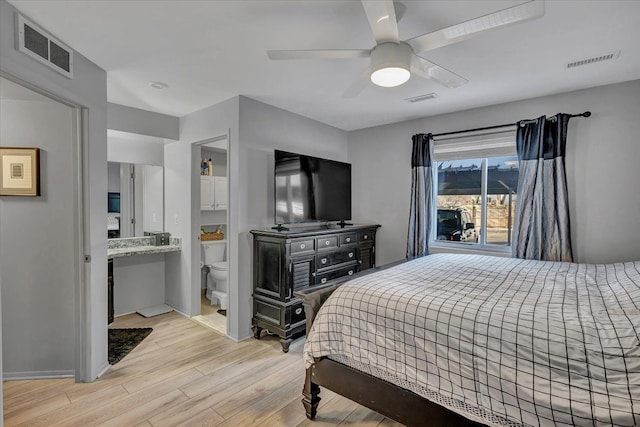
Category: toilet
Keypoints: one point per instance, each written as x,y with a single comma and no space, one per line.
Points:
213,258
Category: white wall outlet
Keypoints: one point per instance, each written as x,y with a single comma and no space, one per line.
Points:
175,219
154,217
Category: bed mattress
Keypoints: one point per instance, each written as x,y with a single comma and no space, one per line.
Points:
502,341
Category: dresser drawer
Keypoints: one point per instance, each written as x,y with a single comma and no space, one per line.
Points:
296,313
333,258
328,242
334,274
302,246
268,311
365,236
348,239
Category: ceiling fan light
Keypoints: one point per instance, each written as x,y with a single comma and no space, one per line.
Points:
390,64
390,76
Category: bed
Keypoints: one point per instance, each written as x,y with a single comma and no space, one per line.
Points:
474,340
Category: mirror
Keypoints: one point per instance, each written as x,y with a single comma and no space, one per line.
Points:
135,199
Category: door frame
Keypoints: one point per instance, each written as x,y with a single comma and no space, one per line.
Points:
79,122
196,150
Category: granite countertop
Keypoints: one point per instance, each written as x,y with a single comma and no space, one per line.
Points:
139,246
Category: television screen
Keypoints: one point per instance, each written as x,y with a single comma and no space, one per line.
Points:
113,202
311,189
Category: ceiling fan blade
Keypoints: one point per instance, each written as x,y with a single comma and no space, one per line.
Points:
382,20
319,54
431,71
456,33
358,85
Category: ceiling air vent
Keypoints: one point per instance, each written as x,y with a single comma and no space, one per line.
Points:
42,46
598,58
420,98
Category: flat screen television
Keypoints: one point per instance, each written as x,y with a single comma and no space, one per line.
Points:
113,202
311,189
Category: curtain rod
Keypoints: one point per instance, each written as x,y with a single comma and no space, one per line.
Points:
585,114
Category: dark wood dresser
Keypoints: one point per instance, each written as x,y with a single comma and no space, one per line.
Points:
297,259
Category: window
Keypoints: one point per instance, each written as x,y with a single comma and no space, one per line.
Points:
476,179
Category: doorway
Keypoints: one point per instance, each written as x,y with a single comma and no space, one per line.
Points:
212,284
42,235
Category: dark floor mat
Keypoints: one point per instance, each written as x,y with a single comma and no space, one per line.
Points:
122,341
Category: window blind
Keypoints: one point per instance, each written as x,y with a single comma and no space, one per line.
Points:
474,145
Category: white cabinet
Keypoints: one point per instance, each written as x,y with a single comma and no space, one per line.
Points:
206,193
221,193
213,193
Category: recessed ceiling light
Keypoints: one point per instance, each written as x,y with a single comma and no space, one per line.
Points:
158,85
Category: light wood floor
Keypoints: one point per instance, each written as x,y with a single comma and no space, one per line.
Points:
185,374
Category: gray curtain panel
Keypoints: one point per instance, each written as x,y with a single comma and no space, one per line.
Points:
421,196
541,228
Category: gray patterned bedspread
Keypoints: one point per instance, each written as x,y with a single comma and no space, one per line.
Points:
502,341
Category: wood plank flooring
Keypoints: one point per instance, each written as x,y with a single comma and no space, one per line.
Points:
189,375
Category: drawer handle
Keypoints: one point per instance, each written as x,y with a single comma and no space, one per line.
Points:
323,260
350,272
326,242
366,237
350,254
298,310
348,239
302,246
324,280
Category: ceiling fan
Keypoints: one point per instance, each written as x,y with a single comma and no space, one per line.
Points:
393,60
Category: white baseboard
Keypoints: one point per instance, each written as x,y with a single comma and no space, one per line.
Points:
37,375
123,314
180,312
103,371
242,338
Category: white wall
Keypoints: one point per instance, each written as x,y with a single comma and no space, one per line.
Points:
142,122
211,218
39,289
1,374
139,282
139,151
140,140
182,207
152,198
88,88
218,158
264,128
113,177
602,169
256,129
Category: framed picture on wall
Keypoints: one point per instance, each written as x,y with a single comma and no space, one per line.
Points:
19,171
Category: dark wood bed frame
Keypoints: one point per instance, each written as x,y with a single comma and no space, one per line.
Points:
388,399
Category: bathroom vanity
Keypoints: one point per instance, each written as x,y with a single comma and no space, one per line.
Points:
139,246
136,277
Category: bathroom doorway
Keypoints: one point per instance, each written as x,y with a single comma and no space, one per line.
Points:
213,281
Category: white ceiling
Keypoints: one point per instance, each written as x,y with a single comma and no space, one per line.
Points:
209,51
